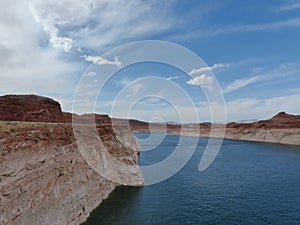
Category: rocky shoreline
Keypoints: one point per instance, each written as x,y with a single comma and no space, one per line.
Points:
278,136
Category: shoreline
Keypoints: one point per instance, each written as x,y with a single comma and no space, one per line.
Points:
275,136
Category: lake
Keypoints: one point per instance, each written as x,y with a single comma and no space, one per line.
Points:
248,183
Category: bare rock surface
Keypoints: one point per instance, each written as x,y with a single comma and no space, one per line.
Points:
29,108
44,178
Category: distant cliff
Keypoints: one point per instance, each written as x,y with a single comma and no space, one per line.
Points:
43,177
283,128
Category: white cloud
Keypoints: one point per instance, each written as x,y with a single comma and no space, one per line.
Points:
103,23
293,6
26,66
207,68
124,81
262,108
57,42
282,73
90,74
36,34
228,28
239,109
173,77
264,27
47,23
201,80
240,83
134,88
61,43
101,61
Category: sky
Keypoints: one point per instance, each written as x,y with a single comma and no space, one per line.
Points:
248,50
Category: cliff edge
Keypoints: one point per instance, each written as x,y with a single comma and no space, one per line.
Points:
44,178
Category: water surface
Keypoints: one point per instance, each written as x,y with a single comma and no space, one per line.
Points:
248,183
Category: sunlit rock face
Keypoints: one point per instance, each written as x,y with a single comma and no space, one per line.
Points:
44,179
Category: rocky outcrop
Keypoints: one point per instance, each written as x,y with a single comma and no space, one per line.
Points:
29,108
44,178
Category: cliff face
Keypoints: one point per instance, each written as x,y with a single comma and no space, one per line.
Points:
43,177
29,108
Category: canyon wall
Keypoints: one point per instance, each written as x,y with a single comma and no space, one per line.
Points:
44,178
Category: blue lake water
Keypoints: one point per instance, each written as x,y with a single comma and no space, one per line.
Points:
248,183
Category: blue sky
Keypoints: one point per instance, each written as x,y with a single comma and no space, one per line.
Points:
251,47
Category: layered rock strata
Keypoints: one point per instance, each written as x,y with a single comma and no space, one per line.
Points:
44,178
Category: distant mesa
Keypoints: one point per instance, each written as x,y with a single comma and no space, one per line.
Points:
280,121
285,116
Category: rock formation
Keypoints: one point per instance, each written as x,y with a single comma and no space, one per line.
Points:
282,128
43,177
29,108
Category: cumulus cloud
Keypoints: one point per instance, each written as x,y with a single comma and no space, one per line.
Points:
201,80
102,61
207,68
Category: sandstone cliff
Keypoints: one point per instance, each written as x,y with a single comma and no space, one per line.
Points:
43,177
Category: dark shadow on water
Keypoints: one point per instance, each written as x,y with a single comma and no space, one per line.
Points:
118,202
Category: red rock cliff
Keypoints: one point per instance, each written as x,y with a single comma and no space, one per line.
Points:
31,108
44,178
